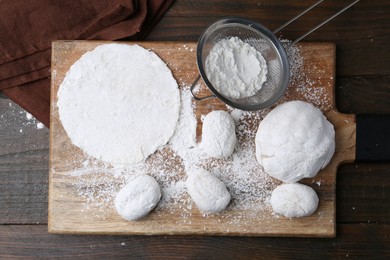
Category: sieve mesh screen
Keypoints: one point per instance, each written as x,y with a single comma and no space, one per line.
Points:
263,41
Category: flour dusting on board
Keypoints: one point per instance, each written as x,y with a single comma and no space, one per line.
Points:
303,85
250,187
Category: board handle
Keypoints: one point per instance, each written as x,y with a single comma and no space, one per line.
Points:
372,138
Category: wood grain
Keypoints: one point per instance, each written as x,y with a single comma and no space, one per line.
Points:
66,212
363,192
23,167
24,176
361,241
362,189
350,90
361,33
361,52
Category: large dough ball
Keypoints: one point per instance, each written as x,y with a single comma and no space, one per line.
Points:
218,134
294,141
138,197
208,192
294,200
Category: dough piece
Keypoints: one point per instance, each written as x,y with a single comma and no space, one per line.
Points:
294,141
119,103
218,134
294,200
138,197
208,192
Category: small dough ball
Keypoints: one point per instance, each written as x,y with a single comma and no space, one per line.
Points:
294,200
138,197
218,134
208,192
294,141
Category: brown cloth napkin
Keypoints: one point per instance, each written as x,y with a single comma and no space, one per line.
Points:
28,27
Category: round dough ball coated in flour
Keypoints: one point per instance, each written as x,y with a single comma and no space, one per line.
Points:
208,192
218,134
119,103
138,197
294,141
294,200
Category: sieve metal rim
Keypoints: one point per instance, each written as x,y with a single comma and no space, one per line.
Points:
278,46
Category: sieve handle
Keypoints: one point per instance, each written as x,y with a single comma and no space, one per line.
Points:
298,16
318,26
194,95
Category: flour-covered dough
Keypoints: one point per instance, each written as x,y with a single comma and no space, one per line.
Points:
207,191
138,197
294,141
294,200
218,134
119,103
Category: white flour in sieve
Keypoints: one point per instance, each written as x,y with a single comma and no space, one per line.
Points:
235,68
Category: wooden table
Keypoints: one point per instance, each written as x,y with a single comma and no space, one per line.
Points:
362,37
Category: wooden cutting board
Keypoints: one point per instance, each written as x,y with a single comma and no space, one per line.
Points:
67,211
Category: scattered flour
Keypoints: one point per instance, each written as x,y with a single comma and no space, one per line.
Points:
305,87
32,121
12,115
235,68
236,114
250,187
183,141
28,116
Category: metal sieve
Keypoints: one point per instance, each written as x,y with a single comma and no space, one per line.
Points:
265,42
